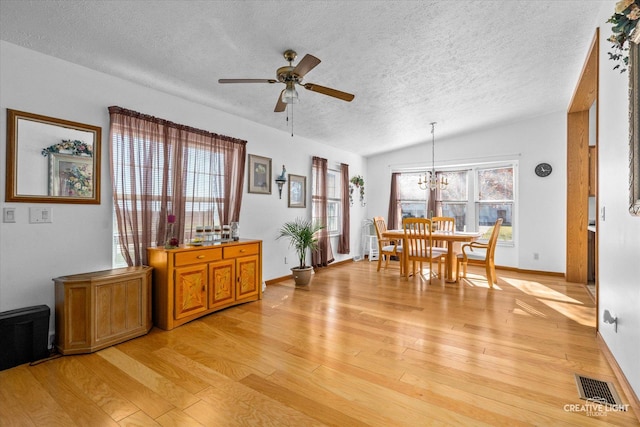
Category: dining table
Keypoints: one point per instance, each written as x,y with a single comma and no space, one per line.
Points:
453,239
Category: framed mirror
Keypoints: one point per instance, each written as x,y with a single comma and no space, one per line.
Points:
634,123
52,160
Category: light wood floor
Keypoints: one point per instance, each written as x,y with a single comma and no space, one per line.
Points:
356,348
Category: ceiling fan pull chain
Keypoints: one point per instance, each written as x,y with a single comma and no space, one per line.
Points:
287,116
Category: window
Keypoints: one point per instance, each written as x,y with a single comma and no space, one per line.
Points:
334,212
495,199
160,168
413,200
203,181
454,198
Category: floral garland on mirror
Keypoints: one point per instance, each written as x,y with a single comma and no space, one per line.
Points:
68,146
625,21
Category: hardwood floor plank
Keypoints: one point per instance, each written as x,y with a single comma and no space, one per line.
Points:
138,419
177,418
101,393
142,397
312,407
307,386
404,409
25,402
77,406
218,407
147,376
149,356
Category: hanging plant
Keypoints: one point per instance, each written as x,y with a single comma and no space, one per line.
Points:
356,182
625,21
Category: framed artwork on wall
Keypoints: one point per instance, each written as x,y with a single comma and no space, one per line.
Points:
297,191
259,174
70,176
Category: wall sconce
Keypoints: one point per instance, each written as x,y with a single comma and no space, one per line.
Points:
281,180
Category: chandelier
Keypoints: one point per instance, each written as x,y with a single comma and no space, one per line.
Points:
430,180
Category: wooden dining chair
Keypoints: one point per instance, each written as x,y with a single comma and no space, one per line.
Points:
386,248
443,224
486,257
419,245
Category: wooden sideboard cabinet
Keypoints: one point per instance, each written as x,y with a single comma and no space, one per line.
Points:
190,282
103,308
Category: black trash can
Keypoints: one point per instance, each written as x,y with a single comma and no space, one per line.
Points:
24,335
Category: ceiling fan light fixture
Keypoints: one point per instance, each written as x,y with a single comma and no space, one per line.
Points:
290,94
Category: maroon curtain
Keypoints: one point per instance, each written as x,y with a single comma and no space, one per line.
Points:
323,255
394,204
345,236
160,168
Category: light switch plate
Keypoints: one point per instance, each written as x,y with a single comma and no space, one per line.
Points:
40,215
8,214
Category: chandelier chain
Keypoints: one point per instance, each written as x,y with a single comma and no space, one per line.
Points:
430,179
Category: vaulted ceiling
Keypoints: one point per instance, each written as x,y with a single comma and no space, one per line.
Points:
466,65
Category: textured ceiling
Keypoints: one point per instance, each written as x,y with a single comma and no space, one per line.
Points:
466,65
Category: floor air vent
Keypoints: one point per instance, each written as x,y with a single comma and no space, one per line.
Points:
597,391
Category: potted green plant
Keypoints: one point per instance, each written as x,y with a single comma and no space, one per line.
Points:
302,235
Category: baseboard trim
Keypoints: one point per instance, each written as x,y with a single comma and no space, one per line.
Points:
520,270
290,277
499,267
524,271
634,403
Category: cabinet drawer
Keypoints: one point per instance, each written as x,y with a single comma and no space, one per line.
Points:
193,257
241,250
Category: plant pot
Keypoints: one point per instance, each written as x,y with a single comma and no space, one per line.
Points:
302,276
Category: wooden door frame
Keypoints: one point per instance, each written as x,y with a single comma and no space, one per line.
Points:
585,94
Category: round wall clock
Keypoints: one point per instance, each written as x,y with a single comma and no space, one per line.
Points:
543,169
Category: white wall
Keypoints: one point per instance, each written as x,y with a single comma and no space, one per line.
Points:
541,210
79,239
619,232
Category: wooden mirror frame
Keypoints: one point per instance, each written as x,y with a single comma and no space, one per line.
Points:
62,128
634,123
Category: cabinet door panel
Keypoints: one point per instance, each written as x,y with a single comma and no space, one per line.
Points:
77,308
222,283
118,308
134,305
248,276
190,290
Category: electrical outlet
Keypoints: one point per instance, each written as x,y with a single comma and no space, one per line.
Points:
536,256
285,260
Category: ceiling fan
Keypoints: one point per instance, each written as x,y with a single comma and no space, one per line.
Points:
292,76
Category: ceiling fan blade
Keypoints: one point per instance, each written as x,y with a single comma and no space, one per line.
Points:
247,81
280,106
328,91
307,64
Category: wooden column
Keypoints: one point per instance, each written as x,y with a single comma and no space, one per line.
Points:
585,95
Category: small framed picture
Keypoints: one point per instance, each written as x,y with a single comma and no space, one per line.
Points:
259,174
70,176
297,191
